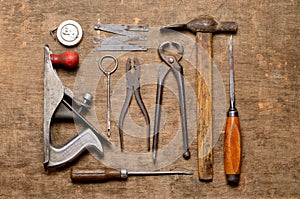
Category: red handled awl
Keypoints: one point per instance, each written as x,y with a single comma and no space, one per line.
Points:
68,59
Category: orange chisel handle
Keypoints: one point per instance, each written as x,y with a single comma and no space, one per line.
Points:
232,148
68,59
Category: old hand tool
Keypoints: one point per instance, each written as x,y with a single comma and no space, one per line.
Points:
133,87
108,73
204,27
172,60
233,141
58,99
107,174
126,32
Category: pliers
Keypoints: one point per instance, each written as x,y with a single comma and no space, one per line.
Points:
133,87
171,59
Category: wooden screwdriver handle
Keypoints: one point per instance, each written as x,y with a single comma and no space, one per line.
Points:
99,175
232,150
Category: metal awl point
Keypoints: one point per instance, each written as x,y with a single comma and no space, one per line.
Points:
231,73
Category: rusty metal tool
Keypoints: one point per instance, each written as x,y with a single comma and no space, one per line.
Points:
171,59
59,104
233,141
204,27
108,174
133,88
127,33
108,74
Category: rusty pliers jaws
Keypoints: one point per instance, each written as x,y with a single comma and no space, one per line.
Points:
167,55
133,87
133,78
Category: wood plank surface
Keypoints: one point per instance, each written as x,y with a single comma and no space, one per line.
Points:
267,71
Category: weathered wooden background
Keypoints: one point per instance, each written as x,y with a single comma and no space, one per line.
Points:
266,51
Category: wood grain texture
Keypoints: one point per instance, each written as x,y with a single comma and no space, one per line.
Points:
232,146
267,71
204,98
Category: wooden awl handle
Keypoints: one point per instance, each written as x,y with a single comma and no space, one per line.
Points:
232,149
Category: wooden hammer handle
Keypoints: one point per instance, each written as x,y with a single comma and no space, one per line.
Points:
204,98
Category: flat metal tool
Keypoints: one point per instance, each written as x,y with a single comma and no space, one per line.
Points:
127,32
107,174
172,60
133,88
108,73
58,105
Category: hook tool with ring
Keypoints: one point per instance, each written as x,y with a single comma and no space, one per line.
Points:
108,73
171,59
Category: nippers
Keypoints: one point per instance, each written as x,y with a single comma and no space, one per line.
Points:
171,59
133,88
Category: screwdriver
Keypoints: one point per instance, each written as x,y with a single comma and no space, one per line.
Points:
232,141
107,174
69,59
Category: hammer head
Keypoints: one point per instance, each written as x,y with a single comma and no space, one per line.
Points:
206,24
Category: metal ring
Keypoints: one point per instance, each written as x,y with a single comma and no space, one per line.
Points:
103,70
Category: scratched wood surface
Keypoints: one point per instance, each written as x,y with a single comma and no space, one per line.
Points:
266,54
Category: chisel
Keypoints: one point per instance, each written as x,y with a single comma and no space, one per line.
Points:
232,142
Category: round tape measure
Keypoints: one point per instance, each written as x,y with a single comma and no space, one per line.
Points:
69,33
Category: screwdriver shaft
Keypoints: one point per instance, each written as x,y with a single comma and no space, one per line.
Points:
160,172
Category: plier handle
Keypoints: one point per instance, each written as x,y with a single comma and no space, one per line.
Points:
133,88
171,59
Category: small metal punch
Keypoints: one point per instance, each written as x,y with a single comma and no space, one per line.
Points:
108,73
133,88
172,60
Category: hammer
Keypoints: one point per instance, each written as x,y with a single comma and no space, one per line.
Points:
204,27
